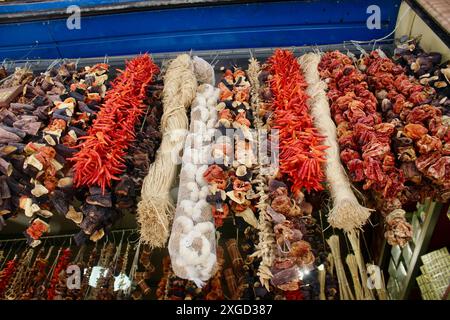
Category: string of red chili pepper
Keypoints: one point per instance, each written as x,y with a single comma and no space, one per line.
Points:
62,264
301,149
101,155
6,275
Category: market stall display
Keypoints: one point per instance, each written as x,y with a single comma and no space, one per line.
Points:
261,185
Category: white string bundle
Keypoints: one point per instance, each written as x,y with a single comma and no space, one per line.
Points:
347,213
192,240
155,210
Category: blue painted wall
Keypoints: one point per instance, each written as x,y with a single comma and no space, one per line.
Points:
252,25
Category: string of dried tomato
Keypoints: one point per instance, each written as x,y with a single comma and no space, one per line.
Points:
301,148
101,155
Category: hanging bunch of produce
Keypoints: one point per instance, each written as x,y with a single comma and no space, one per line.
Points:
427,68
346,213
59,273
302,151
231,176
44,180
72,114
155,210
282,96
100,209
422,138
100,159
264,247
364,139
192,240
233,152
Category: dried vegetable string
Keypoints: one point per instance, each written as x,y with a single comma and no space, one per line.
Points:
155,210
233,152
291,254
422,137
302,152
100,159
265,245
346,213
61,266
101,209
41,119
230,178
363,137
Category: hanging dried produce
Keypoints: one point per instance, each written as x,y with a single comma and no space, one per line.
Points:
61,266
427,68
363,138
7,274
142,276
192,240
101,289
301,146
142,151
72,113
233,152
36,274
346,213
100,209
15,284
264,248
87,271
421,136
155,210
100,159
292,254
49,115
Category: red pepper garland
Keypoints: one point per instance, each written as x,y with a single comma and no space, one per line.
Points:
6,275
101,155
301,148
63,262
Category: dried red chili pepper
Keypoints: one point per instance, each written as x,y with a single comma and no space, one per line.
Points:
6,275
301,148
62,264
101,155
